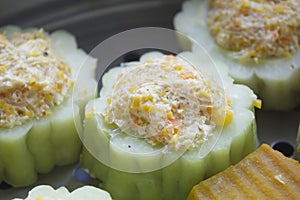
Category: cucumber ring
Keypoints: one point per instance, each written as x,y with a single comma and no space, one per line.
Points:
38,145
173,181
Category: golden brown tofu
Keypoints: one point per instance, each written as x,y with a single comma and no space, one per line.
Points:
263,174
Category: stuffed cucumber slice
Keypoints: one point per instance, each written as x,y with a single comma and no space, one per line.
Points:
257,41
46,192
40,100
140,137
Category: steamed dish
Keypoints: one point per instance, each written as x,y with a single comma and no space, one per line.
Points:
40,101
164,123
258,42
46,192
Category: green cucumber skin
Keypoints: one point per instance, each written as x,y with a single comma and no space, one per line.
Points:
50,142
18,163
174,181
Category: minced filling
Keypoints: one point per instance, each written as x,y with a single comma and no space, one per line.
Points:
32,78
256,29
166,101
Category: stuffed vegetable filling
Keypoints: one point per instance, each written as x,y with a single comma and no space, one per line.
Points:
167,101
256,29
33,79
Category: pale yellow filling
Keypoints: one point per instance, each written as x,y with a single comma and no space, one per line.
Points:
32,78
256,29
167,101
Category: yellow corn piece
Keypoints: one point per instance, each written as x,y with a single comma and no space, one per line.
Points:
279,9
165,101
41,33
163,132
178,67
150,98
228,117
135,102
170,115
147,108
108,100
34,53
49,97
257,103
288,54
60,75
149,60
3,68
222,120
246,4
131,90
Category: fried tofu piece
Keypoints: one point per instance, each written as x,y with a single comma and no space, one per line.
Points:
263,174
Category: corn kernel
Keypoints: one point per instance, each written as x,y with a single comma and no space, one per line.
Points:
108,100
288,54
149,60
49,97
150,97
279,9
147,108
34,53
131,90
41,32
164,132
257,103
165,101
224,120
3,68
178,67
228,116
170,115
135,102
246,4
